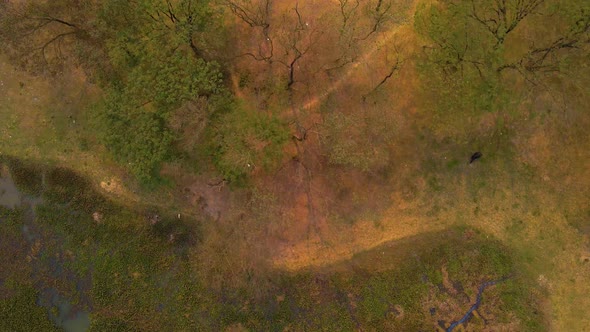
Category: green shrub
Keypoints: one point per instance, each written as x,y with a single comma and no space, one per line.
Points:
242,140
137,138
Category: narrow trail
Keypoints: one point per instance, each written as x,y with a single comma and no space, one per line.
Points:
320,243
299,253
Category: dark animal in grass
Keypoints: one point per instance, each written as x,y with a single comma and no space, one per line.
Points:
475,156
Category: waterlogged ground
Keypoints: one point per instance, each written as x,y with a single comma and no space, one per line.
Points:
20,203
76,261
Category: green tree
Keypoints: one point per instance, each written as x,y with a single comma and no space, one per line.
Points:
491,35
242,140
138,139
155,66
149,56
473,49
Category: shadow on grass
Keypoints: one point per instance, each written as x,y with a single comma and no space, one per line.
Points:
134,269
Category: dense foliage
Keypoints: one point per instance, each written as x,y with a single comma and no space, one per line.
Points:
154,67
151,57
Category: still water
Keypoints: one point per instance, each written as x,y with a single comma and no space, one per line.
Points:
67,317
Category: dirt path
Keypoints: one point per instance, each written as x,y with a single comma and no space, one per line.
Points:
339,244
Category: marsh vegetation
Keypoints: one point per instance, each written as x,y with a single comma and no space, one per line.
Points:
294,165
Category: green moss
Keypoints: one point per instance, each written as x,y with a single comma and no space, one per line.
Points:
111,325
11,217
20,312
382,299
519,299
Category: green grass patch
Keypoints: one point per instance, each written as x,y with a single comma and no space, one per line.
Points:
20,312
387,288
139,276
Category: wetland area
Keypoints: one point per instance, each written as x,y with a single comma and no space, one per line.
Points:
294,165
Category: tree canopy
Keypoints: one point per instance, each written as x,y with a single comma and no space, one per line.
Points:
473,49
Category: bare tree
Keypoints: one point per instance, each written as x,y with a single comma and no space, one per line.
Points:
256,14
348,9
379,15
501,17
480,49
547,58
296,42
41,36
393,68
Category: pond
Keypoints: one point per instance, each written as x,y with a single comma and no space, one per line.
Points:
10,196
60,309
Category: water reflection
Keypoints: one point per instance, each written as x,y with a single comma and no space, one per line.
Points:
67,316
10,196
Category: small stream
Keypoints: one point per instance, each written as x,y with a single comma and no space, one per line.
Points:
68,317
477,303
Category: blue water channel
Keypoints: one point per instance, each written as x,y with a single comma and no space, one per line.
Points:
474,307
